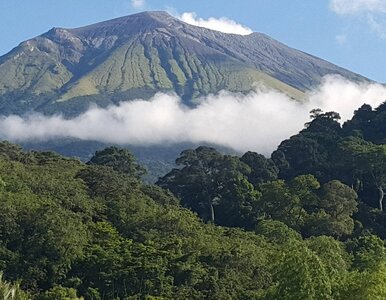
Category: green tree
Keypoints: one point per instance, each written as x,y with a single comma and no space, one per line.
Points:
262,169
119,159
337,204
278,203
300,274
206,180
361,124
370,160
368,252
59,292
313,150
116,267
366,285
334,256
289,202
238,204
9,291
277,232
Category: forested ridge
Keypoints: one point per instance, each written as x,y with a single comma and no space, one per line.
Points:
307,223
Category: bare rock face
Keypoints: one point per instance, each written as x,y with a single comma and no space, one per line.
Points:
136,56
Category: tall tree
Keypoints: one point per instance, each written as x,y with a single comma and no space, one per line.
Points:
370,160
317,143
290,202
262,169
336,206
119,159
206,180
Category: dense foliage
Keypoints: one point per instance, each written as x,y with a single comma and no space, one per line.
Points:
306,224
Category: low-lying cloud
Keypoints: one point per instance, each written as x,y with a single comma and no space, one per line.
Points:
258,121
343,96
222,24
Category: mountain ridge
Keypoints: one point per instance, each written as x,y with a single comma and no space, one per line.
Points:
138,55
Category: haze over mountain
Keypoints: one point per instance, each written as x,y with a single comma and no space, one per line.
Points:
64,70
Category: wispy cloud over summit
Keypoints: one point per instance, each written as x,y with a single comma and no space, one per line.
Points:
222,24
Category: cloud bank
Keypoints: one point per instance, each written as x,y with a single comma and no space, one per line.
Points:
258,121
222,24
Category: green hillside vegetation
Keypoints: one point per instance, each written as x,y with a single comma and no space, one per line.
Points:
161,66
306,224
143,65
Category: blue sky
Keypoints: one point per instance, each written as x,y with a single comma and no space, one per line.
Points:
350,33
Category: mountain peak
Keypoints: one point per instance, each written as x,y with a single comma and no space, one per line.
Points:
142,21
154,14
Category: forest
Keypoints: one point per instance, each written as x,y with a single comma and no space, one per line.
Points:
306,223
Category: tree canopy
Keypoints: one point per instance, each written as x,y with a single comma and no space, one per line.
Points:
307,223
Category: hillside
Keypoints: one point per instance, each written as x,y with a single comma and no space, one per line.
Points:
302,225
63,70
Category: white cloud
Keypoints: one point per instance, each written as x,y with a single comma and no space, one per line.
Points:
138,4
377,26
341,95
222,24
257,121
370,12
357,6
341,39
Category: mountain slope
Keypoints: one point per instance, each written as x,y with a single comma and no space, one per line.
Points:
139,55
